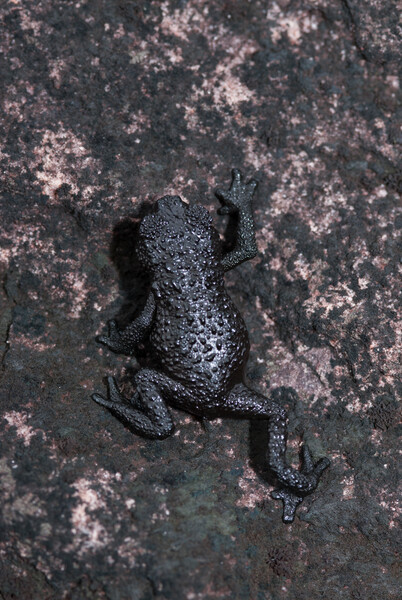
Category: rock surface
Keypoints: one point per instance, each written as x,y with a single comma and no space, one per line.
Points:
108,105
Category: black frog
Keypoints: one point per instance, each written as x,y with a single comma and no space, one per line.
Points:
196,335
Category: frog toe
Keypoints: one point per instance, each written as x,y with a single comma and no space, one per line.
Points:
99,399
290,502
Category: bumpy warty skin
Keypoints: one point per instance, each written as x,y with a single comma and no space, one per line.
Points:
196,335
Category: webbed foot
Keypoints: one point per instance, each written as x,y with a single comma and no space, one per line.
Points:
113,340
291,496
290,502
146,412
239,195
114,399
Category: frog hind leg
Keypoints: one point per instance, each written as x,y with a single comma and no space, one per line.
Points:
294,484
146,413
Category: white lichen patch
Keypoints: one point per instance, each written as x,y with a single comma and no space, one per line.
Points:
348,485
209,592
89,497
293,24
89,534
161,514
130,503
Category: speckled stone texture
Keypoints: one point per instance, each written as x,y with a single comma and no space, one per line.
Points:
106,106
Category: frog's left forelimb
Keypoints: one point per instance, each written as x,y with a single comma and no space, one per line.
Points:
237,200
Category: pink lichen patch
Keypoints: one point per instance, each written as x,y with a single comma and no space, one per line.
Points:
139,122
27,505
179,182
319,359
13,108
292,371
55,168
33,344
174,56
119,32
340,296
57,68
180,22
103,302
23,235
253,158
209,592
94,499
130,550
391,502
192,119
28,22
292,23
356,406
253,491
19,421
225,84
106,477
78,291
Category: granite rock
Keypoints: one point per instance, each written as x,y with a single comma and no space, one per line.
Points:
108,105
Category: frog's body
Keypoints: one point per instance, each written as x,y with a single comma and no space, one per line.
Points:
197,336
200,340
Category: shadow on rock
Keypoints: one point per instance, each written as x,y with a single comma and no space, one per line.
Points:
133,279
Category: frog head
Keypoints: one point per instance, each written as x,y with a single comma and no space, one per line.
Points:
175,234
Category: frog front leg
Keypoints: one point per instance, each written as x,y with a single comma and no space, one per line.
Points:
294,485
146,413
237,201
126,341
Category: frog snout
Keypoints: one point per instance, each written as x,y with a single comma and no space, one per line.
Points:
173,205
